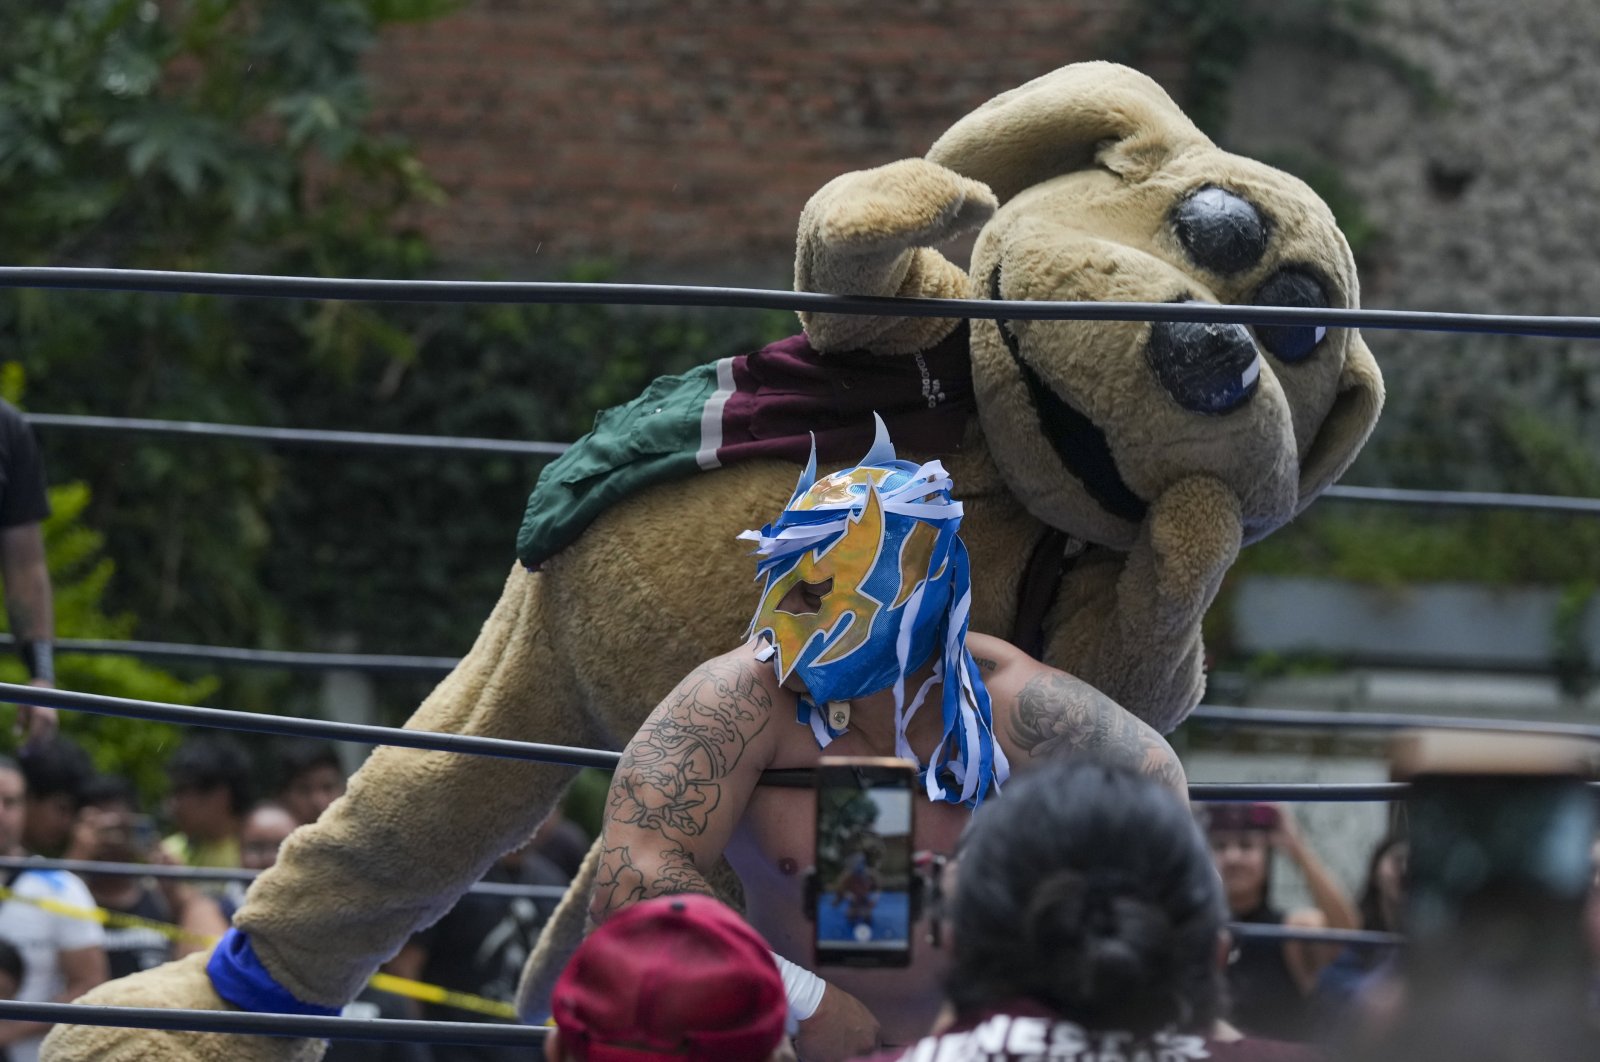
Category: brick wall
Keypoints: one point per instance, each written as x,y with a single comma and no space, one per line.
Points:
681,137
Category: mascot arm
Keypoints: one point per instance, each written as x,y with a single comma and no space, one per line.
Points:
1130,625
415,830
869,233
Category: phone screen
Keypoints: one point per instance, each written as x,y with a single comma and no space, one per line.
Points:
864,873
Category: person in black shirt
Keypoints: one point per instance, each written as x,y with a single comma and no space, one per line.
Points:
23,505
1271,981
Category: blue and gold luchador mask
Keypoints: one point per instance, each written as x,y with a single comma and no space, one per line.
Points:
865,582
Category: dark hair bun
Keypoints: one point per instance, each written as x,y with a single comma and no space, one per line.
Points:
1122,944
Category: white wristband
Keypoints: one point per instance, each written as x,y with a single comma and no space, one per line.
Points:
801,987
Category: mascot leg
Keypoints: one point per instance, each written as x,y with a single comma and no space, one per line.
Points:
415,830
557,941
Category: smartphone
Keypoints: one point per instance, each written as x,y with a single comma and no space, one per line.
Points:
864,882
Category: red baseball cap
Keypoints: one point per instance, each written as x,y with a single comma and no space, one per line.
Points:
674,978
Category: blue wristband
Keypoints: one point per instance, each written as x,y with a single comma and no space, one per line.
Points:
238,976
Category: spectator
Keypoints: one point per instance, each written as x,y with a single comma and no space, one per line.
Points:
63,957
1382,903
56,770
310,777
265,829
11,972
210,792
110,829
674,979
1272,982
29,607
1085,923
480,946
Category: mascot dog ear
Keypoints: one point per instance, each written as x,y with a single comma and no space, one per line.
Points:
1349,422
1064,121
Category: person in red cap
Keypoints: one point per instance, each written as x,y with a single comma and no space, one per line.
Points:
679,978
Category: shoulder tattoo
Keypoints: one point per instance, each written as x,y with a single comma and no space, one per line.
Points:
1057,715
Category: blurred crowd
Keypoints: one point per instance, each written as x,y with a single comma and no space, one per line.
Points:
53,804
1100,904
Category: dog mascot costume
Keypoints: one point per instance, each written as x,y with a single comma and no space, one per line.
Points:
1109,471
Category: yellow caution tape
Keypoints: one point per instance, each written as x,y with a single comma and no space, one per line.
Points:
400,986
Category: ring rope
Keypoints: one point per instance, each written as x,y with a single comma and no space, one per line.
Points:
405,987
299,436
238,874
92,866
1361,938
288,659
289,726
434,666
461,444
507,292
505,748
478,1034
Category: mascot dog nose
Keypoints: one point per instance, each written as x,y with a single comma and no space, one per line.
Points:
1206,368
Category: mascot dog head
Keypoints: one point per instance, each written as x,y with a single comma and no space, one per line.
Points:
1108,192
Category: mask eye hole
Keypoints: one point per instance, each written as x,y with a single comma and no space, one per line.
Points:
805,599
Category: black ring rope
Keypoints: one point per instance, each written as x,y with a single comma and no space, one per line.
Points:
506,292
290,726
282,725
231,874
484,1034
551,892
288,659
299,436
1369,938
434,666
511,447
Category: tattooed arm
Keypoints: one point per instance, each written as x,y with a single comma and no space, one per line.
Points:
1054,714
682,784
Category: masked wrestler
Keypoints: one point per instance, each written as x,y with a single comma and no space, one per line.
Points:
859,647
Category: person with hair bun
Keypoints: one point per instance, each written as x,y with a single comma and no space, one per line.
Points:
1086,922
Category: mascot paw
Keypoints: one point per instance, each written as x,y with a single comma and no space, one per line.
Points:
181,985
893,208
1190,540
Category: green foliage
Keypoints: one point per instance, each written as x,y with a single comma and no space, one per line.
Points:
1392,546
232,135
80,574
197,134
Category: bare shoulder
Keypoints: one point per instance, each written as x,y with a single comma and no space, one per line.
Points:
1041,713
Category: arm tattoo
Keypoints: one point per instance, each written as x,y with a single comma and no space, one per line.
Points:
668,783
619,882
667,780
1057,715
